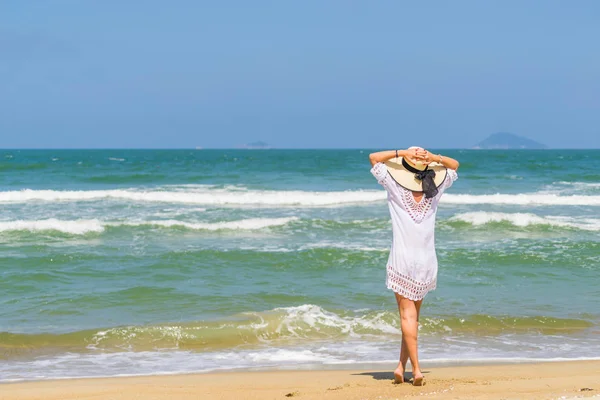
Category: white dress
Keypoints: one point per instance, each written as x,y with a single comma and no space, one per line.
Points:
412,265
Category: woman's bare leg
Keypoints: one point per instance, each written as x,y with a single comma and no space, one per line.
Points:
399,372
404,349
409,317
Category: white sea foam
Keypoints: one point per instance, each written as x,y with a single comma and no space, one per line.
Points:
532,199
206,196
572,188
76,227
244,224
527,219
128,364
81,227
239,196
579,184
313,317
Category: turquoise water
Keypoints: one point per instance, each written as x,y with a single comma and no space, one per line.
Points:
117,262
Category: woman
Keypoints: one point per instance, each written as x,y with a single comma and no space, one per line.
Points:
414,180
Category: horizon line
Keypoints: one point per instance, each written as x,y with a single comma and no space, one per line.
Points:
275,148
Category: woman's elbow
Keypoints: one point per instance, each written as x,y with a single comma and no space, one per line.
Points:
373,158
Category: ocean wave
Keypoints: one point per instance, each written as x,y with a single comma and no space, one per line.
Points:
76,227
249,328
477,218
82,227
281,326
244,224
526,219
206,196
572,188
305,335
239,196
531,199
579,184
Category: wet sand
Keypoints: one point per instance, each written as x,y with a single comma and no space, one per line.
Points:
516,381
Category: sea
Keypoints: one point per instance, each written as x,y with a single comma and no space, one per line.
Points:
141,262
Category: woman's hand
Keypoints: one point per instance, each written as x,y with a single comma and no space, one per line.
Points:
416,155
428,158
447,162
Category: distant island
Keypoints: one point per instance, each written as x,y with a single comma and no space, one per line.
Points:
256,145
505,140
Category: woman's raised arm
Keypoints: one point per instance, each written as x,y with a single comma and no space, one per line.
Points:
446,161
383,156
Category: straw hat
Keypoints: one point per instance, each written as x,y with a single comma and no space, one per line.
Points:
404,171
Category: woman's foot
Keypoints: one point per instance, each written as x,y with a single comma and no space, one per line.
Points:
399,375
418,379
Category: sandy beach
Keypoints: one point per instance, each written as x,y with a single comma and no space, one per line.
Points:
517,381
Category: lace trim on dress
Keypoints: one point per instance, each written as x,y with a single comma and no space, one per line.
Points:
451,177
408,287
417,211
379,171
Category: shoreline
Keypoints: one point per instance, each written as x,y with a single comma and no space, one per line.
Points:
557,379
349,366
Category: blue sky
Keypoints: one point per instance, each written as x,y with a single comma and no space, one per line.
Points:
374,74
